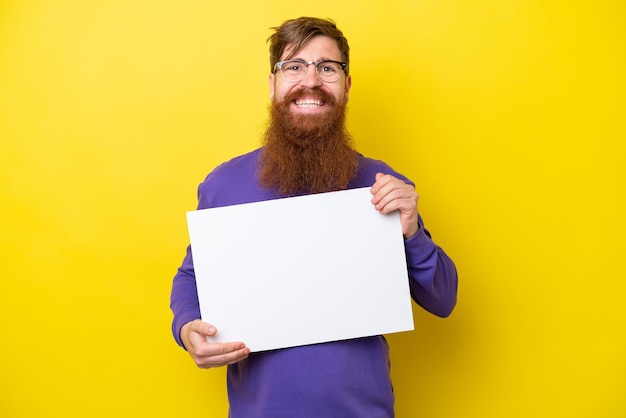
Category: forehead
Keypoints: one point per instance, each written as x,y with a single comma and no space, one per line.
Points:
318,47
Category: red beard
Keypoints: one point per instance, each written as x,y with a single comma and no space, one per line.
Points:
305,153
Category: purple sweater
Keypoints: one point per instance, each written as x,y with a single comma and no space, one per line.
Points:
338,379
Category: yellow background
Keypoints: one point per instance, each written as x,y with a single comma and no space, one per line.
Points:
509,115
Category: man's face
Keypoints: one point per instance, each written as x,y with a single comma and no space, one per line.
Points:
302,95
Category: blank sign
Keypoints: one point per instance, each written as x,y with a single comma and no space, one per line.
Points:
301,270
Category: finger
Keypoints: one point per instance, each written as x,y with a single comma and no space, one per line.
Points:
219,349
223,354
394,196
387,182
380,180
379,176
203,328
384,184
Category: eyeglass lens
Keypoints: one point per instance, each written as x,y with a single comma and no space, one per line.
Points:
295,70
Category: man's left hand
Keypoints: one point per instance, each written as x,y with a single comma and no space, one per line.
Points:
391,193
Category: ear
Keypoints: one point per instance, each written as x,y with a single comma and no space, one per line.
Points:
348,85
272,79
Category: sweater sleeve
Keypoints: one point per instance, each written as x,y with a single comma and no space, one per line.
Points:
184,296
432,274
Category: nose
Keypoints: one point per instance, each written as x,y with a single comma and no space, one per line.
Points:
310,78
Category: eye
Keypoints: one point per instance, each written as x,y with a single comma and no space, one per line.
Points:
328,69
293,66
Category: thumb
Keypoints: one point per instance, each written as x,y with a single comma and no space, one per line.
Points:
203,328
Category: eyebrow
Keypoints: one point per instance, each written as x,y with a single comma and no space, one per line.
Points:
321,59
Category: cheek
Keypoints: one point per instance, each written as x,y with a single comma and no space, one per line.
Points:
281,90
341,95
341,92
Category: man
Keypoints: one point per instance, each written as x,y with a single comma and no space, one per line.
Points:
307,149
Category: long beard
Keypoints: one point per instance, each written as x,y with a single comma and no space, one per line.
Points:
305,154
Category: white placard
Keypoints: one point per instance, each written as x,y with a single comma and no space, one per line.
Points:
301,270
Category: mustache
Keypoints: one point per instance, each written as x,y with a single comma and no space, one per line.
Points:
315,93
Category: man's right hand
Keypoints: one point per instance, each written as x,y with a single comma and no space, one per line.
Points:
193,334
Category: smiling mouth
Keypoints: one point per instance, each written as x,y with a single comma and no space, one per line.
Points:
309,102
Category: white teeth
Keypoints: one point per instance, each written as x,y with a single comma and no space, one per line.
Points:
309,102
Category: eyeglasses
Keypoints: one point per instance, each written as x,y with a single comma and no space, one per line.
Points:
293,71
